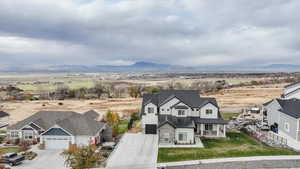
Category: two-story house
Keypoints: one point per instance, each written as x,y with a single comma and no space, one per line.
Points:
178,116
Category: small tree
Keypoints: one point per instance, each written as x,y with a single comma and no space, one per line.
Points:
24,145
99,89
82,157
112,118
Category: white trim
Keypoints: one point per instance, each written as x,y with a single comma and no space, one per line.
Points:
56,126
27,125
103,128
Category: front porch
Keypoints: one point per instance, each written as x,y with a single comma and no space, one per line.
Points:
210,130
198,144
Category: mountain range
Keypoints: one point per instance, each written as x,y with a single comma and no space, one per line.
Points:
148,67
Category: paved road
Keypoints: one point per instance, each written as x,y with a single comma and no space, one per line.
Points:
270,164
46,159
135,151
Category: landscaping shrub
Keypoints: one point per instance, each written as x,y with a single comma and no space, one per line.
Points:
29,155
24,145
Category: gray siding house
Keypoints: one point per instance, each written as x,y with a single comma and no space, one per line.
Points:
178,116
285,115
59,129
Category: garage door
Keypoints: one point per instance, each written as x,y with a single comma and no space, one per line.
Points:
57,143
150,129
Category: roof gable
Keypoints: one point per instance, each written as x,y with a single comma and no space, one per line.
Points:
55,131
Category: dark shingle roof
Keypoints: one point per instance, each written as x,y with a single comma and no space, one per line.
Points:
44,119
209,121
91,114
290,107
187,122
78,124
74,123
189,97
177,122
3,114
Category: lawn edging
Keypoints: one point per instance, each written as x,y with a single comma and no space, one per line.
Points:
226,160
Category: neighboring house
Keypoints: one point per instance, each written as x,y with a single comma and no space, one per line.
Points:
4,119
59,129
178,116
284,116
292,91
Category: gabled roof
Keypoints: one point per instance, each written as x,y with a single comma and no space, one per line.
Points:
292,84
290,107
91,114
78,124
44,119
189,97
267,103
3,114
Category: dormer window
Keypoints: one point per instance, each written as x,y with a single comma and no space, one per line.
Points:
209,111
150,110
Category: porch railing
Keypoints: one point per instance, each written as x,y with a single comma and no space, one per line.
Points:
209,133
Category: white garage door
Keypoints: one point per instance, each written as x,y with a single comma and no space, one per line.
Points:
57,143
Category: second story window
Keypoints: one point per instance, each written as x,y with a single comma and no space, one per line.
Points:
181,112
209,111
150,110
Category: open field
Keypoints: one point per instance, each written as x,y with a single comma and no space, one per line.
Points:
244,96
235,97
22,109
235,145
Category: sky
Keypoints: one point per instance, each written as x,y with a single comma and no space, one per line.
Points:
121,32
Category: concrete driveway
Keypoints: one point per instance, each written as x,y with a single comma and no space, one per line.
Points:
46,159
135,151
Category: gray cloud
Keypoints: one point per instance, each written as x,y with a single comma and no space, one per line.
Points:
194,32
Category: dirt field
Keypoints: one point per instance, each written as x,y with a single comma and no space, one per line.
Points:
228,99
245,96
19,110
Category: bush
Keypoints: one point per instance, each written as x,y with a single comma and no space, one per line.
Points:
24,145
29,155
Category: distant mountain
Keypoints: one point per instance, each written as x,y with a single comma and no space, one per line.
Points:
148,67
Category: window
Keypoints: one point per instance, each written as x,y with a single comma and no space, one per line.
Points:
208,127
28,135
182,136
181,112
168,109
150,110
287,126
209,111
162,109
14,134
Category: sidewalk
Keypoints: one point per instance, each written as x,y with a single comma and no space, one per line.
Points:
224,160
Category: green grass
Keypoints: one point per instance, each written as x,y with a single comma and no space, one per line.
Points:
228,116
123,126
235,145
9,149
3,131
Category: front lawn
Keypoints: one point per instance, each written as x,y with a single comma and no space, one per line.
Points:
4,150
235,145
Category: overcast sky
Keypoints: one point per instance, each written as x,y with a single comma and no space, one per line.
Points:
180,32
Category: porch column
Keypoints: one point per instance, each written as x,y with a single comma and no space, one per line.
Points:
218,130
224,130
202,129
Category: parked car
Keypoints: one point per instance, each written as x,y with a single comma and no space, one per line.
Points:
12,159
